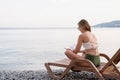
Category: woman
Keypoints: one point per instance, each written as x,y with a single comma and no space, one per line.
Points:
88,41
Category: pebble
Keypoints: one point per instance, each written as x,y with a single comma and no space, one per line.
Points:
43,75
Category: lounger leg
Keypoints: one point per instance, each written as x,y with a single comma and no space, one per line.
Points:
55,76
50,71
100,76
65,71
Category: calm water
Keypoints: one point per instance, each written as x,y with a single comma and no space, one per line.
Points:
29,49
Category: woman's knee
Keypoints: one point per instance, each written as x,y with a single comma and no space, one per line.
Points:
66,52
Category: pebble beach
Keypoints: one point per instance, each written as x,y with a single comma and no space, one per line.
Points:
43,75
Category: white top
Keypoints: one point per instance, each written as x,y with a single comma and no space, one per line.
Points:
90,45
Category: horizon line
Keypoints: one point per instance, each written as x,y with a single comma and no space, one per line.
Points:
37,27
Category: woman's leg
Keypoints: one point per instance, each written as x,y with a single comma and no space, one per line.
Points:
72,55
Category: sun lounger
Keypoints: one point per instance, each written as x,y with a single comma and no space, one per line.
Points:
108,69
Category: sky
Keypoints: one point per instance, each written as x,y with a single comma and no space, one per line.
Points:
56,13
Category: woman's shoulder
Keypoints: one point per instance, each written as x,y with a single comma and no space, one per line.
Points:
82,35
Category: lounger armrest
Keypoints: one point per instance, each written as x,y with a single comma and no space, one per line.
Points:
83,60
105,56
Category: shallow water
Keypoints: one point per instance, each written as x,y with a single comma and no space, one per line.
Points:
29,49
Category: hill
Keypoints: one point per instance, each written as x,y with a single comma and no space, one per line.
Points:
115,23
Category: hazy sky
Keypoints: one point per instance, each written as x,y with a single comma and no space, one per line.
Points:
56,13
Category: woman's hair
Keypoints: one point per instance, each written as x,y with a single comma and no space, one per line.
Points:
84,24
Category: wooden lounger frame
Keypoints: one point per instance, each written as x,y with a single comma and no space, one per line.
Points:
80,65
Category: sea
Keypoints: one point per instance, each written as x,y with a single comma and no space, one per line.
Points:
29,49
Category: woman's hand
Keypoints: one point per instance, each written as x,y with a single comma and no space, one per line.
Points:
82,51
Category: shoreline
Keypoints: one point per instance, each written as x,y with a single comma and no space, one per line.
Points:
43,75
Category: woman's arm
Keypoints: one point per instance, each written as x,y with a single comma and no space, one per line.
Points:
79,43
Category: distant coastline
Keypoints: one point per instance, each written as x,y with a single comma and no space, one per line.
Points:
112,24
